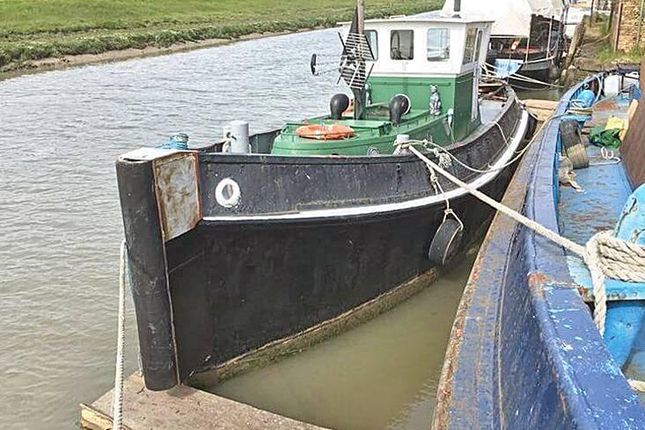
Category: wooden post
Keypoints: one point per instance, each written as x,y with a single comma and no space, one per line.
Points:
640,25
591,20
617,22
575,43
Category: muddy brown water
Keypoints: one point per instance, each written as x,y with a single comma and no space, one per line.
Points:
60,228
380,375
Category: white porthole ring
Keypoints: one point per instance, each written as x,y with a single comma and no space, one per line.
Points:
228,193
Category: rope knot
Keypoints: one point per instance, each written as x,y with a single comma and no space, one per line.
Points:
443,157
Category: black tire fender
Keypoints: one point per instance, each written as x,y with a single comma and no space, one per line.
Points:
573,145
446,242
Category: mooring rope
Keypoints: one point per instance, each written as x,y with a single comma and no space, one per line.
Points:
491,72
117,398
440,152
604,254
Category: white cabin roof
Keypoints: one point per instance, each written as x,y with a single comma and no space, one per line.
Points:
453,30
511,17
431,18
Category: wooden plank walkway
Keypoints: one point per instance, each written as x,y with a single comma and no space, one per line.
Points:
542,109
182,408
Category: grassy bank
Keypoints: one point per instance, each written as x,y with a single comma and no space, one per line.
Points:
596,52
39,29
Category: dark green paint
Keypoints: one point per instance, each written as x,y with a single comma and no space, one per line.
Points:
377,134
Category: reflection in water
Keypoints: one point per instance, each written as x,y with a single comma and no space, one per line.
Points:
381,375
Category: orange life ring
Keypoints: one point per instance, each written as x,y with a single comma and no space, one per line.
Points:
325,132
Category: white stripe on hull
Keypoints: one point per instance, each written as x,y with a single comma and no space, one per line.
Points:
389,207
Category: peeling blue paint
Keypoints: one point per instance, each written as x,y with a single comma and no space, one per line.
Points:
535,359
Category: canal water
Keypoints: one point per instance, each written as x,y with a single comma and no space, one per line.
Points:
381,375
60,229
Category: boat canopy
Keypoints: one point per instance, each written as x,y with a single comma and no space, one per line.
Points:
511,17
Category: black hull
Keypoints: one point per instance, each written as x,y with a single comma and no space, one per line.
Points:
231,283
542,76
534,75
263,282
541,54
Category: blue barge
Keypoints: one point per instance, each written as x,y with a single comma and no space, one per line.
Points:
524,350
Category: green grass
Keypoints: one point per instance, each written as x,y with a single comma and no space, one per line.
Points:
596,52
607,56
38,29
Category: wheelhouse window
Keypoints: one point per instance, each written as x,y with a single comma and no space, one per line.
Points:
469,51
478,44
372,39
438,44
402,44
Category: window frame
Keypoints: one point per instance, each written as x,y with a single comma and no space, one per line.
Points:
411,57
446,48
369,41
472,32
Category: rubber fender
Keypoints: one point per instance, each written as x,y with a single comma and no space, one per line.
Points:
573,145
446,242
313,64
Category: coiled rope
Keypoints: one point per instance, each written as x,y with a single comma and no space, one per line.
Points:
608,156
117,398
604,255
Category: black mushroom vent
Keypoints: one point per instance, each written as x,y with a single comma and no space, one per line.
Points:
337,105
399,106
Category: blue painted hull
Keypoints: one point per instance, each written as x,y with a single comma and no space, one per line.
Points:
524,351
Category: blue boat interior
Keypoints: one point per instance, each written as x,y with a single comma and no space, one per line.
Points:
601,201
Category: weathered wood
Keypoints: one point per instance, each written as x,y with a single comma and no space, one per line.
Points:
91,419
541,109
578,35
182,408
632,149
616,22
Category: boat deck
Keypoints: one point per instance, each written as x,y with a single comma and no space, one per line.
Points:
605,189
598,207
182,408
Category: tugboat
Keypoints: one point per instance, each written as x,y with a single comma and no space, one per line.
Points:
283,235
527,43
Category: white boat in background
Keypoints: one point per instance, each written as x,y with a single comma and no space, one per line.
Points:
528,37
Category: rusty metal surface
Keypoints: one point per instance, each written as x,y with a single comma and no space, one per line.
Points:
633,148
177,193
489,263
